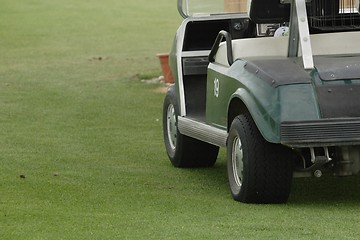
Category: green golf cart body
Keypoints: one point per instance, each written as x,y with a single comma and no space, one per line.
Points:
276,82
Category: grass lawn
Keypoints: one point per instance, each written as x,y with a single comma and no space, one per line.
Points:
81,151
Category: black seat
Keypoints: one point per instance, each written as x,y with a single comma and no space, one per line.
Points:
269,11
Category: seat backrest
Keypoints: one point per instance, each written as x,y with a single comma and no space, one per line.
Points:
253,47
321,44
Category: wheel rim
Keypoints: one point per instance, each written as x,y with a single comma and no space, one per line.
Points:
171,126
237,161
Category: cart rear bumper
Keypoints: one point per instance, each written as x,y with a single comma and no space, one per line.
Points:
323,132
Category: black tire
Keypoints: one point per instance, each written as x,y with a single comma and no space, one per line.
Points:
258,171
184,151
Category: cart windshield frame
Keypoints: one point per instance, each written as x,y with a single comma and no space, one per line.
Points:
200,8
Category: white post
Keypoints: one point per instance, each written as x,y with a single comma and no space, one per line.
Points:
304,34
299,33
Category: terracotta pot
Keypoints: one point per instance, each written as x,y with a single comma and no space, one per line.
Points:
164,62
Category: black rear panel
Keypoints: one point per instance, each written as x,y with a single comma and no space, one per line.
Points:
200,35
339,101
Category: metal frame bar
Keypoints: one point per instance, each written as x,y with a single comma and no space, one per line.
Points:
180,8
299,33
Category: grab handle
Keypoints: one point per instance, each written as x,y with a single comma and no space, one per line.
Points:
222,34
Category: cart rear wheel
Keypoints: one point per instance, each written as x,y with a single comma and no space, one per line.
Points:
184,151
258,171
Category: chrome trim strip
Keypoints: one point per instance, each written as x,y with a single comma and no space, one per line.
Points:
202,131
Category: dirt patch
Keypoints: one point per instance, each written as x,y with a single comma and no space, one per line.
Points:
153,80
159,80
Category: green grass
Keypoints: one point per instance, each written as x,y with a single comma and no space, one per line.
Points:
81,152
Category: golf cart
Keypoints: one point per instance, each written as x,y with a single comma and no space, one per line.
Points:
276,82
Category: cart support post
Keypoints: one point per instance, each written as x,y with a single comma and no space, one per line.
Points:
299,32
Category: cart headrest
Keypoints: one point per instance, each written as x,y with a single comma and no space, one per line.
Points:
268,11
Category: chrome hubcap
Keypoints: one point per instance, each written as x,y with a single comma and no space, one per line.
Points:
171,126
237,161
